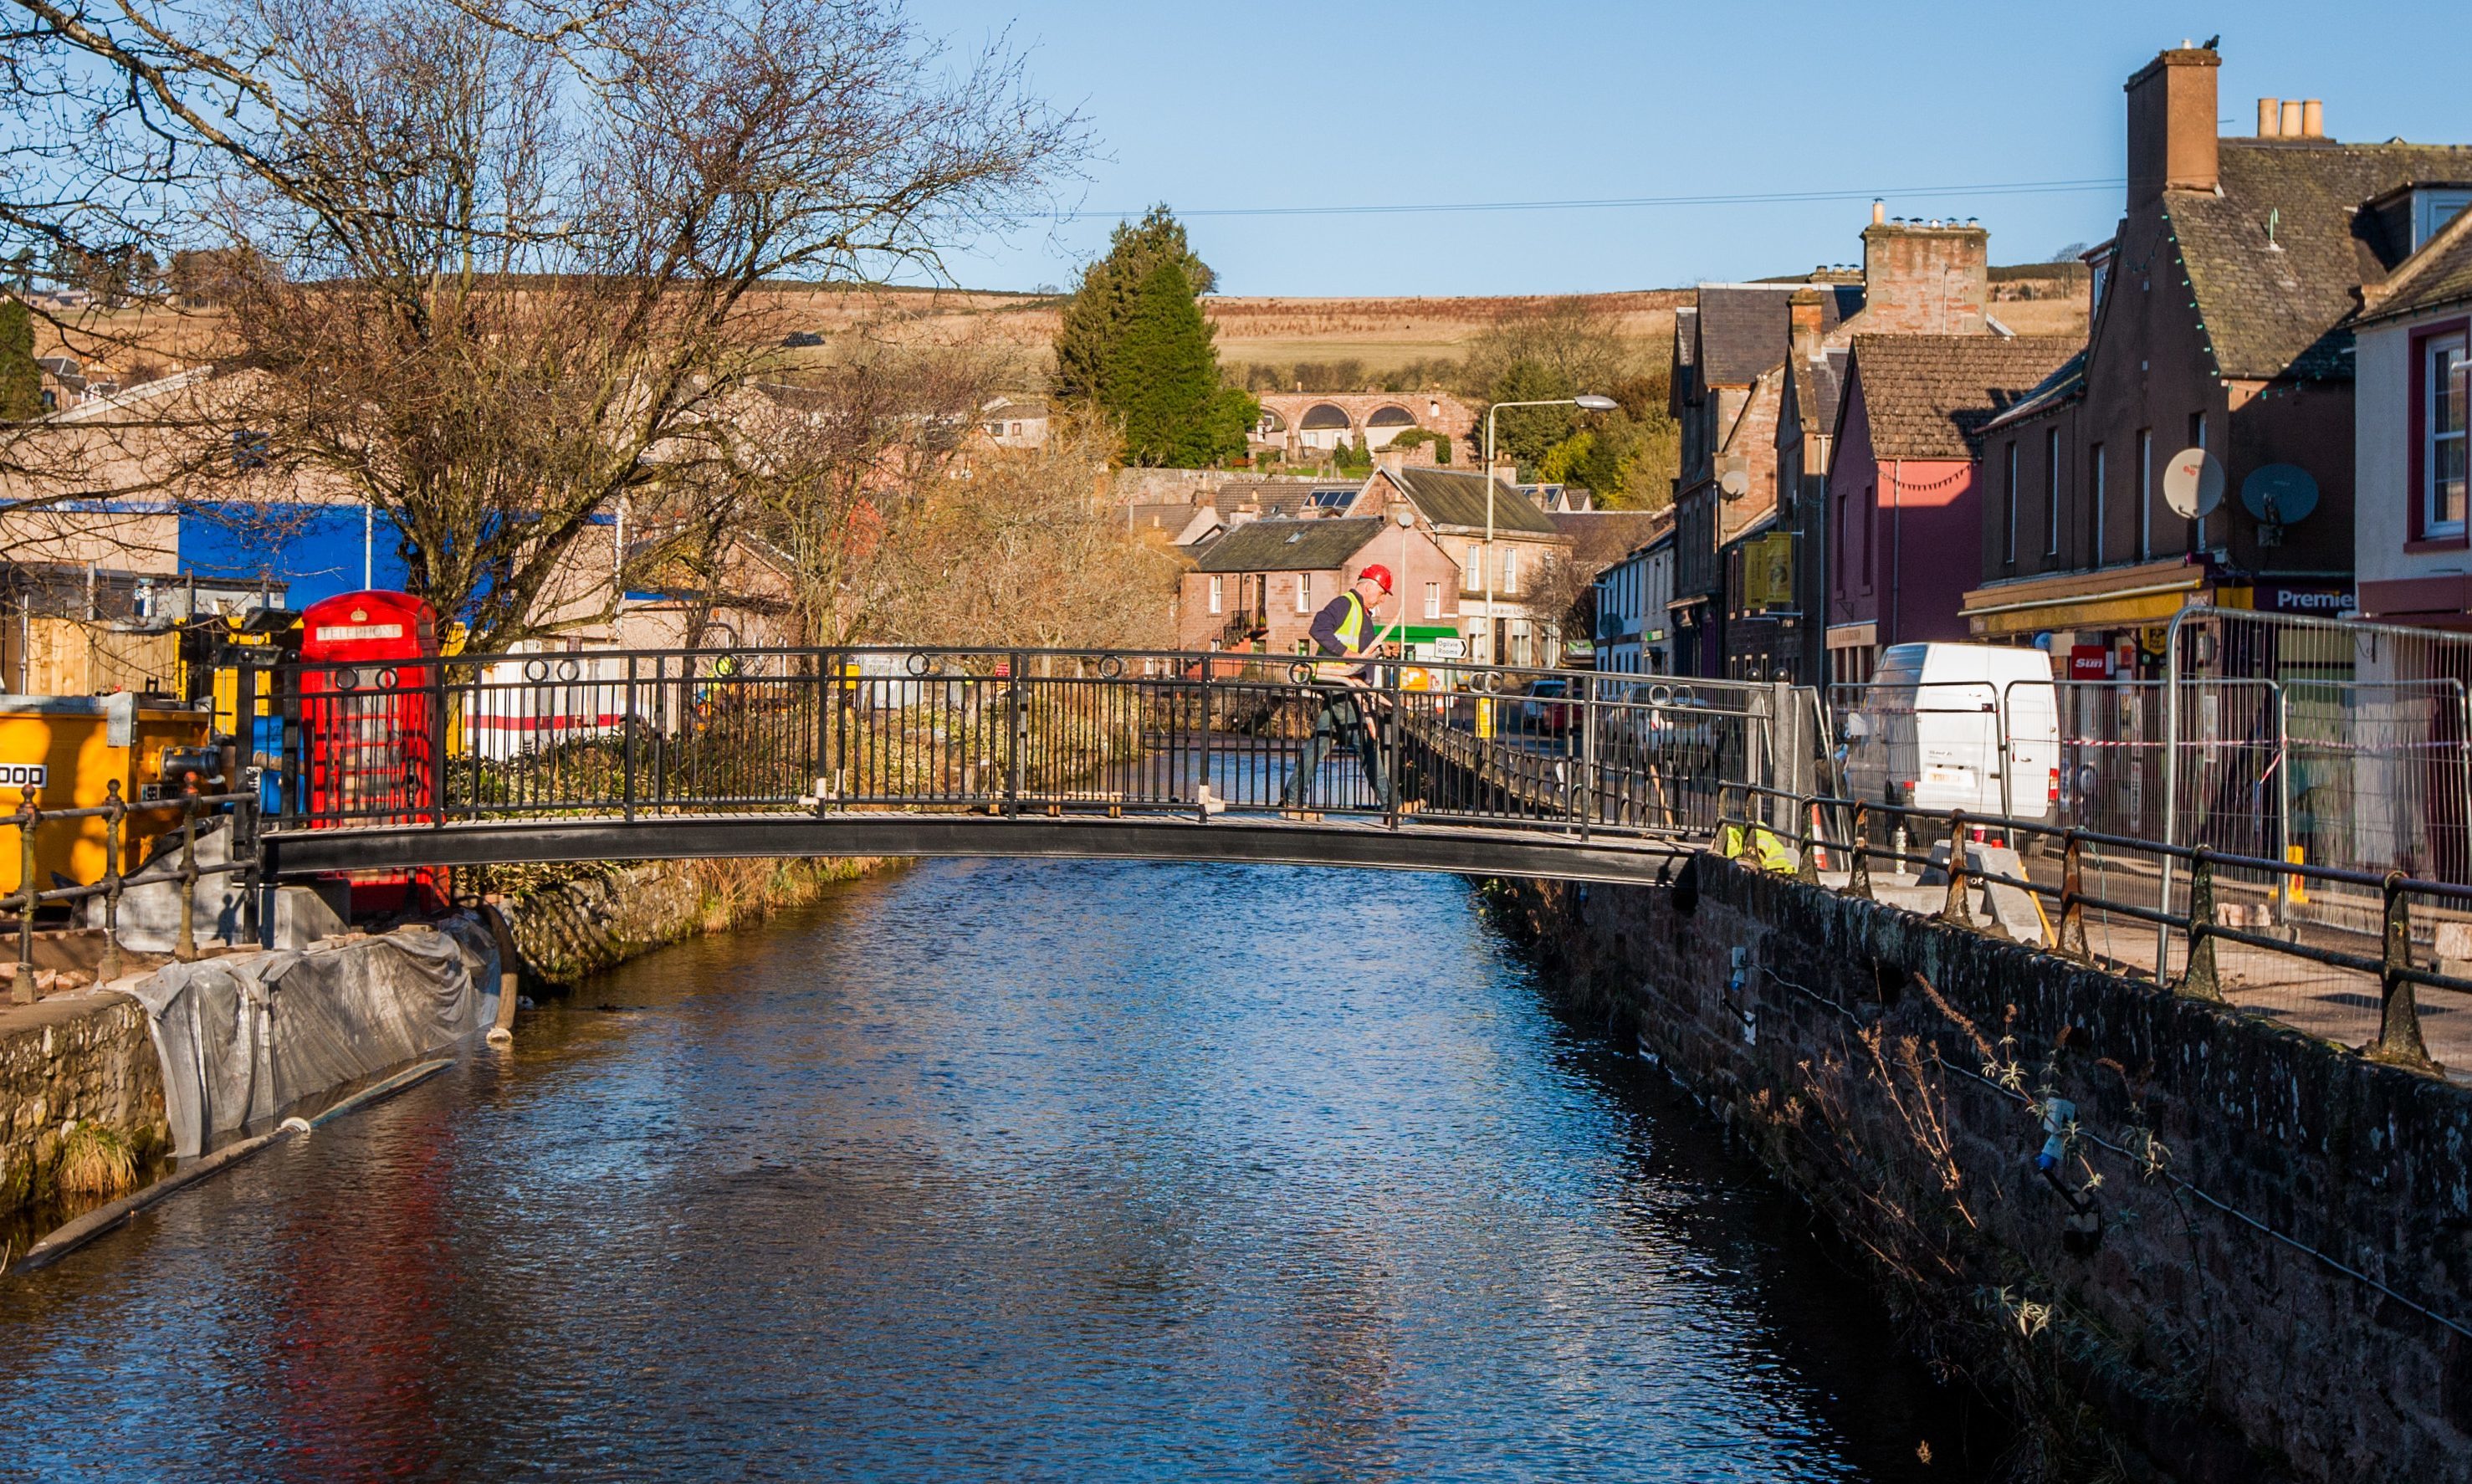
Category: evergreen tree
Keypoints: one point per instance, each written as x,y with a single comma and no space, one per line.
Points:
21,382
1102,303
1163,383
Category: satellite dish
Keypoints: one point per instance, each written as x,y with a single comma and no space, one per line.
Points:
2193,483
2279,495
1735,483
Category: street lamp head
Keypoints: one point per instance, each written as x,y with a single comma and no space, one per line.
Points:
1591,402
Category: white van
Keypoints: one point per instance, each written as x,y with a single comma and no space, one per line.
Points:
1928,731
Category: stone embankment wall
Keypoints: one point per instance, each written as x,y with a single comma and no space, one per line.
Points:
73,1059
2286,1229
564,930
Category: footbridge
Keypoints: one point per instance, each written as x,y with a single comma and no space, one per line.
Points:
1137,756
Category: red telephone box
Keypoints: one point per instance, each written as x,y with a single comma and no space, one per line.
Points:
369,737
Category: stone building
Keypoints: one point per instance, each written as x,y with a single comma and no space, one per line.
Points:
1452,508
1905,492
2413,417
2223,321
1259,586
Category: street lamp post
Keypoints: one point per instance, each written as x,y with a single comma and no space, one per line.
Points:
1586,402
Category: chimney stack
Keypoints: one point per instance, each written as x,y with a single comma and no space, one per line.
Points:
2171,125
1922,280
2313,119
1393,459
2270,118
1805,314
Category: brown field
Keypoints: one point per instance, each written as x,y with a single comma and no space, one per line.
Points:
1385,334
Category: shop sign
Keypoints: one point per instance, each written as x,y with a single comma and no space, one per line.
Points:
2089,662
2325,600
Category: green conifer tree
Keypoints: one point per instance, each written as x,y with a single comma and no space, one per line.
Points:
21,381
1102,303
1164,385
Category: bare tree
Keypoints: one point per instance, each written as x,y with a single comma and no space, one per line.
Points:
1025,551
499,266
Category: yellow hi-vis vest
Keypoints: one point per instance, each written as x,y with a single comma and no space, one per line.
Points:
1351,637
1767,847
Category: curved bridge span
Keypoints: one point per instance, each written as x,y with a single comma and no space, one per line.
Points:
1401,764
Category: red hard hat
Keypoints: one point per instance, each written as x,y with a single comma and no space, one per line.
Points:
1378,572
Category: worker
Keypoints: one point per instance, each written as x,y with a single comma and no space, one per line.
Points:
1341,631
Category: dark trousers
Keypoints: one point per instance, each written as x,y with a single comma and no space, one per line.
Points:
1340,713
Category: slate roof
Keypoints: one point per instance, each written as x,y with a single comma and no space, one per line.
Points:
2279,305
1744,327
2439,274
2065,384
1929,396
1449,498
1280,545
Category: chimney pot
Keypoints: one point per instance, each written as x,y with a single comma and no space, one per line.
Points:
2292,118
2269,117
1879,212
2313,118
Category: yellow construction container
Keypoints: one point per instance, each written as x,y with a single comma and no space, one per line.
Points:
66,749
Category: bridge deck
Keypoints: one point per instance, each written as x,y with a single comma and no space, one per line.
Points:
1233,838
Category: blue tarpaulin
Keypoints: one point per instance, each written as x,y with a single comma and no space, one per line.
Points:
317,549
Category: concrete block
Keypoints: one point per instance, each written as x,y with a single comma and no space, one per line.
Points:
2013,907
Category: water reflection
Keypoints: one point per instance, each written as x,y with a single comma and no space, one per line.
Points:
1030,1171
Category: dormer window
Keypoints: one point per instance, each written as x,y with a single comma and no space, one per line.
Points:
2433,208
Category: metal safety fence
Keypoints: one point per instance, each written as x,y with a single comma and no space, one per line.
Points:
167,853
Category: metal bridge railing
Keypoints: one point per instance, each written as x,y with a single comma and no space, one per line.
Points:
2101,899
633,735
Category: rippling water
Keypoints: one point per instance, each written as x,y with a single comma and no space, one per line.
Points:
994,1170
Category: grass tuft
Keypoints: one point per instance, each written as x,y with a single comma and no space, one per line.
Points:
95,1160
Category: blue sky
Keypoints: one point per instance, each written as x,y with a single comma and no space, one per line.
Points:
1276,104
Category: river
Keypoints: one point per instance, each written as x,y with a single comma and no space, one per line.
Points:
999,1170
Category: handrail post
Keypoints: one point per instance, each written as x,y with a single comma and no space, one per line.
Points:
2073,936
1859,884
186,948
1590,718
1202,790
21,989
1391,739
1013,774
115,809
1956,909
627,746
2399,1011
1806,868
2199,981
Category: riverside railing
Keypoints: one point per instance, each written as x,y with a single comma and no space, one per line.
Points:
174,862
2357,985
634,735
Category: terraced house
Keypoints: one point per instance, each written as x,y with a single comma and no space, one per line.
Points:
2225,307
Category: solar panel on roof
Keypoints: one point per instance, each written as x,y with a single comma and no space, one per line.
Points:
1333,499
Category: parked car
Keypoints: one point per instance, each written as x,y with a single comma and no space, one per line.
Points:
1972,727
1549,706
